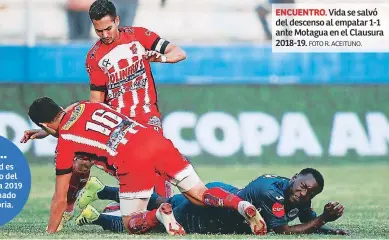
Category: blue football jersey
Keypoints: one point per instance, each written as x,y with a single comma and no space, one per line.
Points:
266,193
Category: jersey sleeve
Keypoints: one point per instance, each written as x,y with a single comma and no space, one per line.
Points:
307,214
150,40
97,77
64,155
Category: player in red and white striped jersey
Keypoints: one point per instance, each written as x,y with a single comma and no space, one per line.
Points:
119,68
94,130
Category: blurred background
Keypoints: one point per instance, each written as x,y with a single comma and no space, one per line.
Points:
232,100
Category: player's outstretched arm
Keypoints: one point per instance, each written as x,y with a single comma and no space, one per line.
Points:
329,231
33,134
332,211
304,228
40,133
59,202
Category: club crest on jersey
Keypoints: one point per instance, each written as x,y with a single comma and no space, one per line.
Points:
293,213
76,114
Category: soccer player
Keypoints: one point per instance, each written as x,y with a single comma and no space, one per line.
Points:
119,65
120,75
119,69
94,130
280,200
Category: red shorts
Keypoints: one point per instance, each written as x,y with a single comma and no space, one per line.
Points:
146,153
153,120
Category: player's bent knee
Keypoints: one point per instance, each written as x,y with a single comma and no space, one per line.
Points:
82,165
132,204
133,214
187,179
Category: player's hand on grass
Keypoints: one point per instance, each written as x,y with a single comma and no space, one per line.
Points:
340,232
154,56
33,134
332,211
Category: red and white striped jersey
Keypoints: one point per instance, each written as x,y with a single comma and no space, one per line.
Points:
121,71
93,131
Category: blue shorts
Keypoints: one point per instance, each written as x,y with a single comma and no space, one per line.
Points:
205,220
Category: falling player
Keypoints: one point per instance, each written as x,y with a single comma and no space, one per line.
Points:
280,199
94,130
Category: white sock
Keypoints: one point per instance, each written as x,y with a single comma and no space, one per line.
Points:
159,217
242,205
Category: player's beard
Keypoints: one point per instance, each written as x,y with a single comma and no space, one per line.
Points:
107,40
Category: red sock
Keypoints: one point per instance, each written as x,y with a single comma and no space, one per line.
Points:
218,197
70,207
77,182
142,222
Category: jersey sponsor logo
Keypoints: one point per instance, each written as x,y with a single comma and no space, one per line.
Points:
76,114
88,68
118,135
93,51
118,78
116,94
278,209
138,84
293,213
106,63
155,121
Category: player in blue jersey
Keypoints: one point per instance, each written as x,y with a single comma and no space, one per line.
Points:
280,200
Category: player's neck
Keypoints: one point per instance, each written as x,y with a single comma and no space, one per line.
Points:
57,121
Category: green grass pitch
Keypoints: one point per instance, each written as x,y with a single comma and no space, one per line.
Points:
362,188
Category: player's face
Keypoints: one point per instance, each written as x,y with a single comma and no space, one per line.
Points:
303,189
107,29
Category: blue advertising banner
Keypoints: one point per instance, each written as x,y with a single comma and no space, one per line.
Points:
236,64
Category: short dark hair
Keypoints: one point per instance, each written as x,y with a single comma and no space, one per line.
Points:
102,8
43,110
316,174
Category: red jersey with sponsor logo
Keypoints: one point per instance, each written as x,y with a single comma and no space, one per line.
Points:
93,131
121,71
